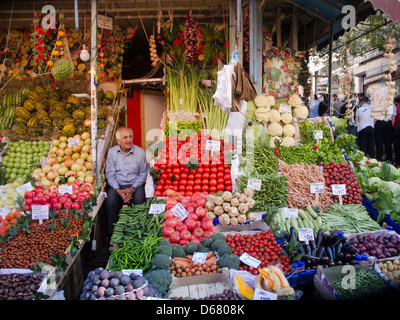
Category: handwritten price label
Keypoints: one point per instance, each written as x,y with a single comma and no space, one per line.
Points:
254,184
285,108
317,187
260,294
65,189
179,211
318,134
339,189
128,272
212,145
40,212
199,257
249,260
306,234
25,187
291,212
157,208
73,142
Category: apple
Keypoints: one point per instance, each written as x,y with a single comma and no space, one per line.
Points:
63,139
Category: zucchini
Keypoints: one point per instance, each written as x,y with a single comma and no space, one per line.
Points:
300,223
293,222
303,215
311,211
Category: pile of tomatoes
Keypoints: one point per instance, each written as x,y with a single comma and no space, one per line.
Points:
261,246
187,167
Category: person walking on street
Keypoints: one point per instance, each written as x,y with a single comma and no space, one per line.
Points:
323,107
396,132
365,128
384,136
314,104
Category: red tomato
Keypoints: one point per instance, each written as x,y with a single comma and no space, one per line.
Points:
196,188
204,182
213,182
213,189
205,188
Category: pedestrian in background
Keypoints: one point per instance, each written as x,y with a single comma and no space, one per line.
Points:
384,136
314,105
365,128
396,132
323,105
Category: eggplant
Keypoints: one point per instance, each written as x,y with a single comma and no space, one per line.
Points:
338,248
320,236
314,251
293,236
329,252
307,249
320,252
332,239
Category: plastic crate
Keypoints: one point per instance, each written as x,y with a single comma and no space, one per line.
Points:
293,279
306,276
369,206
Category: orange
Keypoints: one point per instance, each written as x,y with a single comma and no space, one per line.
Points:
59,43
50,63
61,34
10,216
18,214
3,231
14,221
56,53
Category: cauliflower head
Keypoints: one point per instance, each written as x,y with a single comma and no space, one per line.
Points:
301,112
262,115
295,100
264,101
274,116
273,141
286,117
275,129
289,130
288,142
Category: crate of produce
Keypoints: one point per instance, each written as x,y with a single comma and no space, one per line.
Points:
331,283
380,244
369,205
389,269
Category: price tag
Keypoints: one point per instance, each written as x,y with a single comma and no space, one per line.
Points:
291,212
25,187
179,211
40,212
339,189
306,234
249,260
157,208
128,272
317,187
254,184
285,108
65,189
212,145
318,134
260,294
199,257
73,142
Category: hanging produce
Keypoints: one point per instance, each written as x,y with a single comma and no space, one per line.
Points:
190,40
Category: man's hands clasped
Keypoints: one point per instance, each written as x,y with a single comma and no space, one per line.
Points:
126,194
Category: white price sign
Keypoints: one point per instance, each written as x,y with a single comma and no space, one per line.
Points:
73,142
317,187
249,260
254,184
291,212
199,257
25,187
285,108
318,134
65,189
157,208
339,189
40,212
212,145
306,234
128,272
260,294
179,211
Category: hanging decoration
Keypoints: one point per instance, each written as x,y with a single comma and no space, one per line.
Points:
392,65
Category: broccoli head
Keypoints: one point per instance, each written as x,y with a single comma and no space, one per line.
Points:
191,248
217,236
224,249
206,242
161,261
165,243
178,251
160,280
164,249
230,261
217,243
203,248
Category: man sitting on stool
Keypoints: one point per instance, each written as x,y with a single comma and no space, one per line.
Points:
126,172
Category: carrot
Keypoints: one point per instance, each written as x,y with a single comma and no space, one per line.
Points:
209,255
181,261
189,257
211,260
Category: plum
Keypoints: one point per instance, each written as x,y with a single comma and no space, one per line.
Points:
104,275
114,282
105,283
109,292
101,291
119,290
125,280
131,296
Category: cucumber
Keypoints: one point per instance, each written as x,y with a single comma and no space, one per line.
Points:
303,215
311,212
301,223
293,222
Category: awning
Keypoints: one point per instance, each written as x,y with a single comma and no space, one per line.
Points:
389,7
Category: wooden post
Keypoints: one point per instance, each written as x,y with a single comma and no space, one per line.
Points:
278,27
330,67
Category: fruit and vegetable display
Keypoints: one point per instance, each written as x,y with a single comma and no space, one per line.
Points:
190,166
391,269
16,286
9,194
226,294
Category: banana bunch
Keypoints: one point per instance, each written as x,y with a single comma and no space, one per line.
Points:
153,51
273,279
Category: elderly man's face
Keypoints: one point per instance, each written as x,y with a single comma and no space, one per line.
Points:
125,139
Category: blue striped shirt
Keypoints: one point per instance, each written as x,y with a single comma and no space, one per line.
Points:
126,169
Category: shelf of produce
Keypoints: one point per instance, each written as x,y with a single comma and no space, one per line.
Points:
369,205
